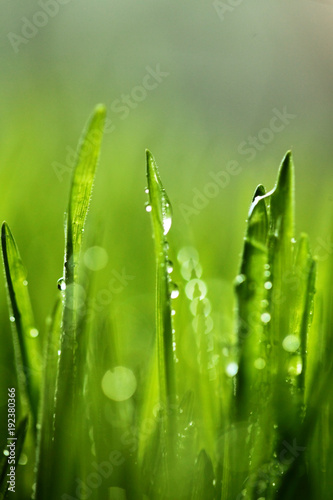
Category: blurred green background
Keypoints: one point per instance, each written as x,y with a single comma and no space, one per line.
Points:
222,75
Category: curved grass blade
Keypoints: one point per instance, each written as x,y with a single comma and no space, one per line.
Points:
161,219
5,465
25,335
79,200
281,255
45,428
67,399
203,484
305,280
81,190
251,292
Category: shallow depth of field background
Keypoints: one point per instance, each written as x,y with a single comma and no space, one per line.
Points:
224,79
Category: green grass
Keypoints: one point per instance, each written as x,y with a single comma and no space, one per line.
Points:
217,413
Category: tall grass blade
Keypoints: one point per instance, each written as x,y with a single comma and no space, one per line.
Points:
251,292
203,484
45,427
67,399
25,335
161,219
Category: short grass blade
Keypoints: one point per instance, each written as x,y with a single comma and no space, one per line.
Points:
25,334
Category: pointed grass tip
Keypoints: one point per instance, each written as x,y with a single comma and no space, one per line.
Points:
286,171
100,109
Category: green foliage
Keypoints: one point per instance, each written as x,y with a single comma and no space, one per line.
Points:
24,332
232,415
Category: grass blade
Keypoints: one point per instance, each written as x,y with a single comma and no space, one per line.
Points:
68,399
45,431
203,484
81,190
161,218
251,292
25,334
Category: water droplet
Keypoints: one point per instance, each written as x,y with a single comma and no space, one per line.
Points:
240,279
196,289
264,303
293,240
146,190
6,453
119,384
33,332
174,346
268,285
174,290
291,343
169,266
265,318
59,352
148,207
232,369
260,363
12,319
173,312
267,266
267,274
166,213
61,284
295,366
25,283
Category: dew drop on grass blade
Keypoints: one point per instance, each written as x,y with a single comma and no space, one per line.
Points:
25,335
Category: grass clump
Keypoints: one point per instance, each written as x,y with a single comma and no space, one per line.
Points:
243,417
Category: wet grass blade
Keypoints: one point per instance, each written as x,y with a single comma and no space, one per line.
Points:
160,207
281,254
25,335
67,399
81,190
45,428
251,292
305,280
203,484
80,194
